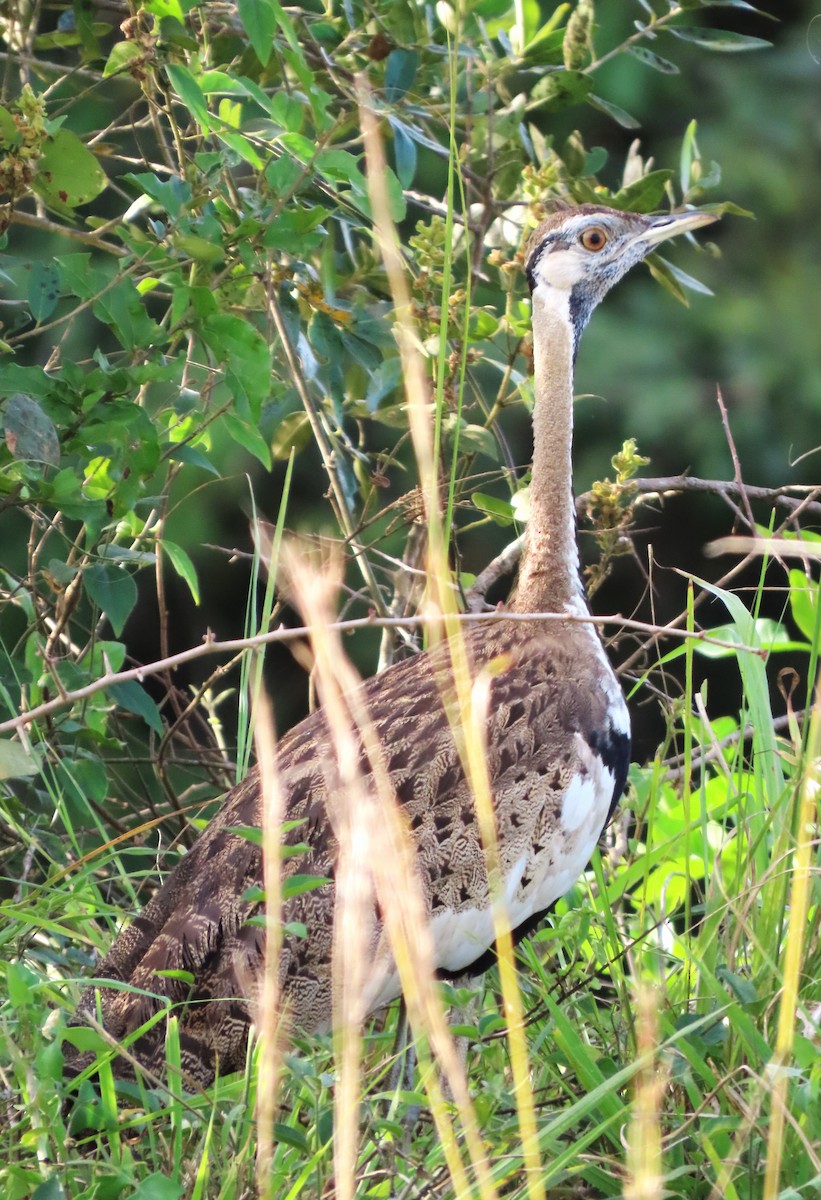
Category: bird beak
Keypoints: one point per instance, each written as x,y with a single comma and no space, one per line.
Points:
670,225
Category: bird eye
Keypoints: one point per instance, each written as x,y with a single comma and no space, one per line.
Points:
594,238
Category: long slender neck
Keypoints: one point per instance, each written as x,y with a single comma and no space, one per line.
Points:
549,578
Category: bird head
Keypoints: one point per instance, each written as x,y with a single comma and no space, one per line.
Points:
577,254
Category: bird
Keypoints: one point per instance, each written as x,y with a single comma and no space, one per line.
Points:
557,743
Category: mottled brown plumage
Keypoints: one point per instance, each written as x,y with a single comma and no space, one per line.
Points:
543,714
557,738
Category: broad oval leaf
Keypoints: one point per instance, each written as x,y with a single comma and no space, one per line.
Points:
113,591
30,432
44,290
400,72
68,174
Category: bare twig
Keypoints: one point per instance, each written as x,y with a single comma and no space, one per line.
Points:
233,645
327,450
503,564
675,764
788,496
30,221
792,496
728,433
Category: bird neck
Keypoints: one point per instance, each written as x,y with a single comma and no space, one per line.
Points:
549,579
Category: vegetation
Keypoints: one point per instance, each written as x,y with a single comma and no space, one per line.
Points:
197,320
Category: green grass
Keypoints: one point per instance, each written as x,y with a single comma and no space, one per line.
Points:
684,968
671,1002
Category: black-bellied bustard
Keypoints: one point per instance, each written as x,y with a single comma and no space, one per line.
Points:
558,741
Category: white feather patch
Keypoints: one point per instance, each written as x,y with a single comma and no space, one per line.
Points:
460,938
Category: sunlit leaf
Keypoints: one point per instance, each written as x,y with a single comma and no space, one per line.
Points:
501,511
804,603
15,761
718,39
183,565
292,433
68,174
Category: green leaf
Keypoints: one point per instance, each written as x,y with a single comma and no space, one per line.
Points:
340,165
688,155
384,380
190,92
804,603
292,433
157,1187
661,272
29,432
768,633
113,591
404,150
243,351
300,146
619,115
718,39
473,439
182,564
288,1135
122,58
249,437
182,976
296,885
49,1189
15,761
193,457
501,511
20,983
168,8
545,47
122,308
133,697
559,89
259,22
44,290
68,174
686,281
249,833
482,325
744,989
400,72
651,59
10,136
287,111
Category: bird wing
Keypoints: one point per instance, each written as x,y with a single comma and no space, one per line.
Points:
546,714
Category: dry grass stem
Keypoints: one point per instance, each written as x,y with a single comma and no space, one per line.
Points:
805,832
645,1180
268,1020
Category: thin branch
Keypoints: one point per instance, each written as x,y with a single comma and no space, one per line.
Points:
234,645
503,564
30,221
788,495
728,433
675,765
326,447
792,496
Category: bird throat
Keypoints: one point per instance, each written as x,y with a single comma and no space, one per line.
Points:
549,579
